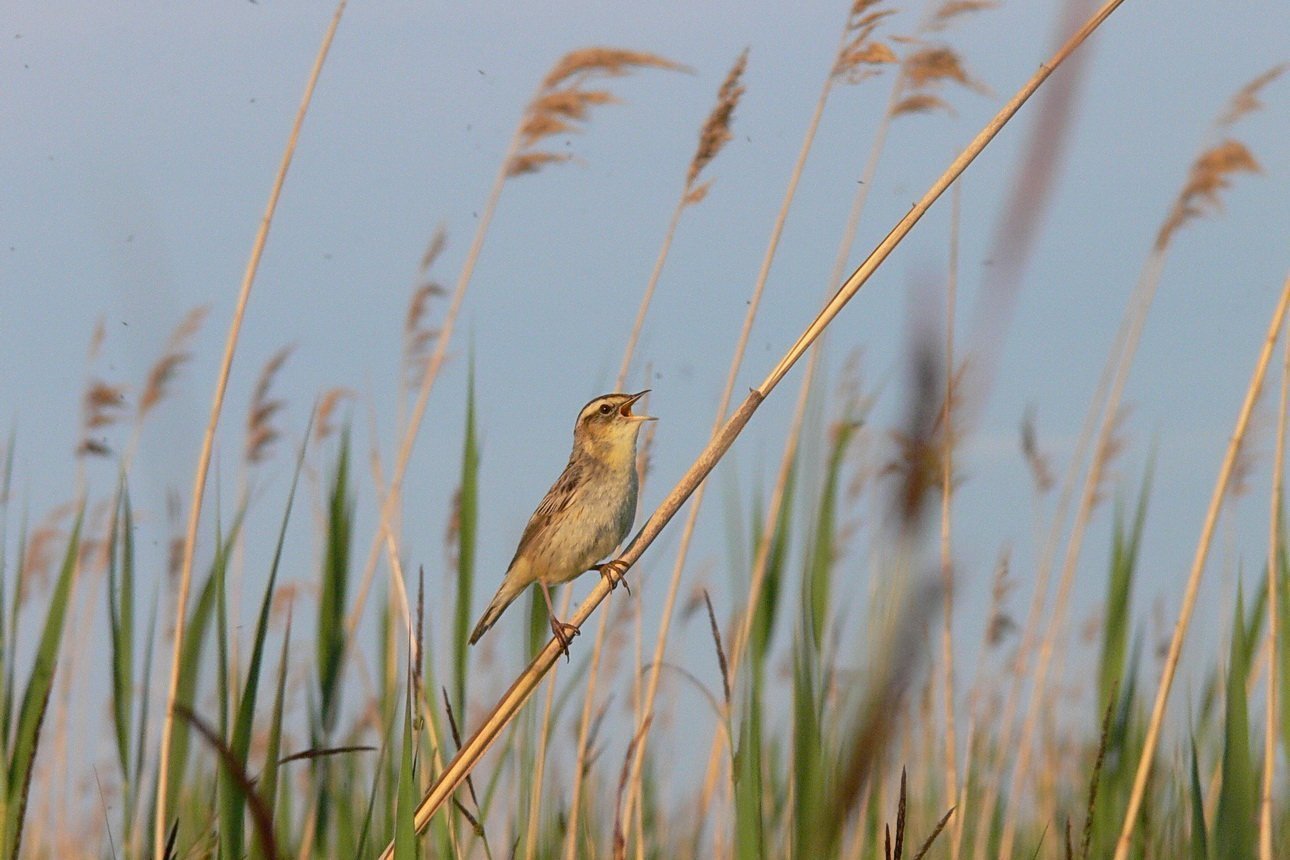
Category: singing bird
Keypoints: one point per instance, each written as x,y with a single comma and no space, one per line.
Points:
587,512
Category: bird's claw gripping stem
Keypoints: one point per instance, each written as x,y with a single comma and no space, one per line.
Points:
564,634
614,572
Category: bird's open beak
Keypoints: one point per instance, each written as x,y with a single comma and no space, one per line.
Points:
626,409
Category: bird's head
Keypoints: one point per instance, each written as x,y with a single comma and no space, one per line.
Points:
607,427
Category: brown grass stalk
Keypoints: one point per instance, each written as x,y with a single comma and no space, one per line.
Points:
762,555
1193,579
713,136
1121,359
723,406
1210,173
1274,621
1034,615
947,565
539,763
518,693
550,112
203,461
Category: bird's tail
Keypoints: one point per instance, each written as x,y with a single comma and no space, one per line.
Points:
502,599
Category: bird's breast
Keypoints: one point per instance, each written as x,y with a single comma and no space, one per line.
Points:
596,520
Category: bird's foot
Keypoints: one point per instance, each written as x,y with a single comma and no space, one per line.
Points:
564,634
614,573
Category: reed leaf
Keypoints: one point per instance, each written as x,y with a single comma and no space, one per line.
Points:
1236,807
35,699
467,528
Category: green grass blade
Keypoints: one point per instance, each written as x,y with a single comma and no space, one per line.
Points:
1119,590
240,742
273,749
467,529
1199,840
5,650
6,716
35,700
190,662
1236,814
335,585
141,735
764,619
749,830
405,834
819,569
119,626
807,762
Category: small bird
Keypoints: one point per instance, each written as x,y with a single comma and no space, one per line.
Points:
586,513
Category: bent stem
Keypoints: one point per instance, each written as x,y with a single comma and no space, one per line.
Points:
208,440
1274,553
518,693
1193,579
687,532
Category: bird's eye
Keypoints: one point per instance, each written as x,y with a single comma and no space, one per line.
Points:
605,409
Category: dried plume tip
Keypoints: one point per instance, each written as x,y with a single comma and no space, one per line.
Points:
102,407
417,334
925,72
176,354
1040,468
324,425
1212,172
949,11
563,103
860,55
260,432
715,133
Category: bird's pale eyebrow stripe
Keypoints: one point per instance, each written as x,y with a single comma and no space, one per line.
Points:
590,408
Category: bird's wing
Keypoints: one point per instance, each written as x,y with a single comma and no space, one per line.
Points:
557,499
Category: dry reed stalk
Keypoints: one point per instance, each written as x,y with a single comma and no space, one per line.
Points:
854,59
856,49
1104,447
713,136
1209,174
1274,553
539,764
559,102
723,406
1193,578
515,697
208,440
947,489
1030,627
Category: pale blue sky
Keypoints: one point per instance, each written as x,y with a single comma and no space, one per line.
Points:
138,142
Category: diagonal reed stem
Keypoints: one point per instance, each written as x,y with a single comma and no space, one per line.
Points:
645,718
518,693
161,822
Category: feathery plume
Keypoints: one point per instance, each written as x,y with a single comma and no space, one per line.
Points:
950,10
716,130
1213,170
860,55
1211,173
1040,468
417,335
563,103
260,432
926,71
175,355
101,408
327,404
1246,101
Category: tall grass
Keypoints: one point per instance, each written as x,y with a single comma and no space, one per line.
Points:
835,728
